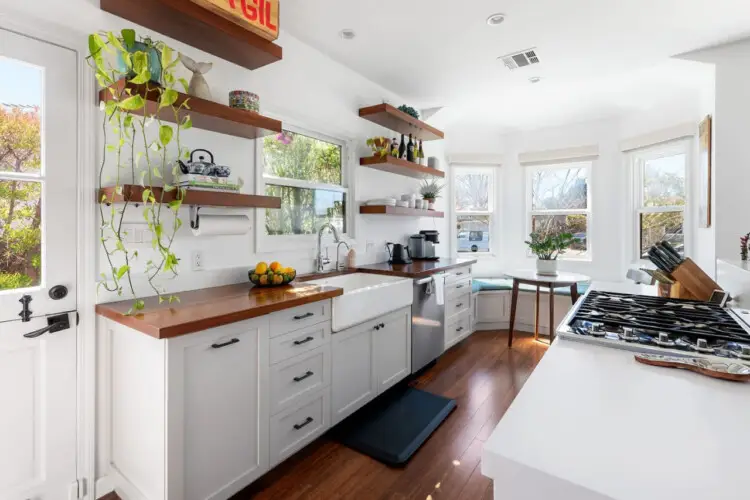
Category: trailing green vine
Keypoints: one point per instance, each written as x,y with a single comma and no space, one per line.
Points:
148,65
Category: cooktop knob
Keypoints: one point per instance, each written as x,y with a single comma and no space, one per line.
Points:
702,344
663,337
745,352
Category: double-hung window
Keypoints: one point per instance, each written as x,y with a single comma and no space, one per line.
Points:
306,171
560,202
473,189
659,175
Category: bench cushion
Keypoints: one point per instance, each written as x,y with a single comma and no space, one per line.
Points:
494,284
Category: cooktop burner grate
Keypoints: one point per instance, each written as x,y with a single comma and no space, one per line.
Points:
654,315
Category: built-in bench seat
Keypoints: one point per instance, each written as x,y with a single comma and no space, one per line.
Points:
501,284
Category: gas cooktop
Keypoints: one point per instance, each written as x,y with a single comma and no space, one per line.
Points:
656,324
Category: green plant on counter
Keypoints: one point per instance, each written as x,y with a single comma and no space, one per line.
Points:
114,56
430,189
409,111
549,246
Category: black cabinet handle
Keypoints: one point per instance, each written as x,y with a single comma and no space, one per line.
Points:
304,316
459,286
219,346
460,304
382,325
307,421
377,327
459,274
303,377
303,341
460,328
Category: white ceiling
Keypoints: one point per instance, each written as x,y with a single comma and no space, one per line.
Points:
599,58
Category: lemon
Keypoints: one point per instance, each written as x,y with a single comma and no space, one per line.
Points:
261,268
275,266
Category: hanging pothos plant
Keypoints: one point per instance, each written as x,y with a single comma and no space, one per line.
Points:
149,65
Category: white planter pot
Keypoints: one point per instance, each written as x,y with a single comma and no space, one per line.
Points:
546,267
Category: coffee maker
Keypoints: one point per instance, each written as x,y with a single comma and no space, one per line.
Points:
423,245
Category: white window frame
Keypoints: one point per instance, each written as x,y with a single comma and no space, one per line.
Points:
492,204
637,160
289,242
530,213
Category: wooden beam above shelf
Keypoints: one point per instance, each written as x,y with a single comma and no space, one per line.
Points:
388,210
198,27
206,115
134,194
398,166
394,119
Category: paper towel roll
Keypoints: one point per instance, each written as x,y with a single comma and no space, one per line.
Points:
215,225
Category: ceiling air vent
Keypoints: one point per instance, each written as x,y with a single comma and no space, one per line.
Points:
520,59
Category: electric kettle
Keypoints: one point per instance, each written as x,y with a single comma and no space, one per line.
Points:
399,255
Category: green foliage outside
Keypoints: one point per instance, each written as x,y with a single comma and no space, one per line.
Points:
20,201
295,156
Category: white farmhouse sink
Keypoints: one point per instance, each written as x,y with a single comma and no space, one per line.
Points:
366,296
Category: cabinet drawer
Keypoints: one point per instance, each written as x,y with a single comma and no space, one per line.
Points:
295,378
292,429
458,288
293,319
300,341
457,305
457,274
458,329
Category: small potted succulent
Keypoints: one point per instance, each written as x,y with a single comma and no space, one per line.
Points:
547,248
380,146
430,191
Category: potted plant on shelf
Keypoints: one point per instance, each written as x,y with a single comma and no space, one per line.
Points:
379,146
547,248
430,191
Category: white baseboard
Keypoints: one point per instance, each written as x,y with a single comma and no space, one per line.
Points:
519,327
103,486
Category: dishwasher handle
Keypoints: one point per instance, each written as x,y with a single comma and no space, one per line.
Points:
423,281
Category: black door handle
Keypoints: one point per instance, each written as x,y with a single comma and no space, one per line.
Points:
219,346
307,421
303,377
54,324
304,316
303,341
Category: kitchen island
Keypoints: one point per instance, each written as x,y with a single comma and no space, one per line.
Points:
591,423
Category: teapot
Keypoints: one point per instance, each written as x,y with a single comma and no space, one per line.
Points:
203,167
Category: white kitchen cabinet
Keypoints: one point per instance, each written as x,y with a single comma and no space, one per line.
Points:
189,415
294,428
353,382
392,349
368,359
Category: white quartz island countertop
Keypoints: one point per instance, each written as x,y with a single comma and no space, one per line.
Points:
592,423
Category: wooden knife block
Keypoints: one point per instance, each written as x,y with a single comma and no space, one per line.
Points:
675,291
693,281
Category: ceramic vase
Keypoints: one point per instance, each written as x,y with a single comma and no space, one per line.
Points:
546,267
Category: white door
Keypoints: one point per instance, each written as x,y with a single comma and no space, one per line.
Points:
38,200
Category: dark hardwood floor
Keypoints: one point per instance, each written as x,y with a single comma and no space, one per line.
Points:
482,374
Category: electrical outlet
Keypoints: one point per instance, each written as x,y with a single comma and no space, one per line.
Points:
369,245
197,260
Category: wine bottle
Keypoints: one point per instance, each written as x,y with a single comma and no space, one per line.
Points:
402,148
410,150
420,153
394,147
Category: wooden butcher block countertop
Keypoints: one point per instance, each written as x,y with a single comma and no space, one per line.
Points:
417,269
211,307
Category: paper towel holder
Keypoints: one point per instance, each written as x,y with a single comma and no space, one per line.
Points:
195,218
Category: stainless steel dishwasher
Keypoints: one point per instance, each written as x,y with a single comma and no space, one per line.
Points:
427,318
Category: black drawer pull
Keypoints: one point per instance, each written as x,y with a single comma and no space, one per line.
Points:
303,377
377,327
459,286
382,325
219,346
307,421
304,316
303,341
459,274
460,304
460,328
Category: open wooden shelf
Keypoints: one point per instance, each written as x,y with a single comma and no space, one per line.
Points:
198,27
388,210
206,115
134,194
398,166
393,119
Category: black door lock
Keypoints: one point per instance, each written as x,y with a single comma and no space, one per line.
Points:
58,292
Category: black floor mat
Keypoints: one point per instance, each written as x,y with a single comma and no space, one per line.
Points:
393,427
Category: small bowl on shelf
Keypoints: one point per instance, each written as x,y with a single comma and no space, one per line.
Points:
271,279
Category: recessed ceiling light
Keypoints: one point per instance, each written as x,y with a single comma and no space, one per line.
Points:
535,79
496,19
347,34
